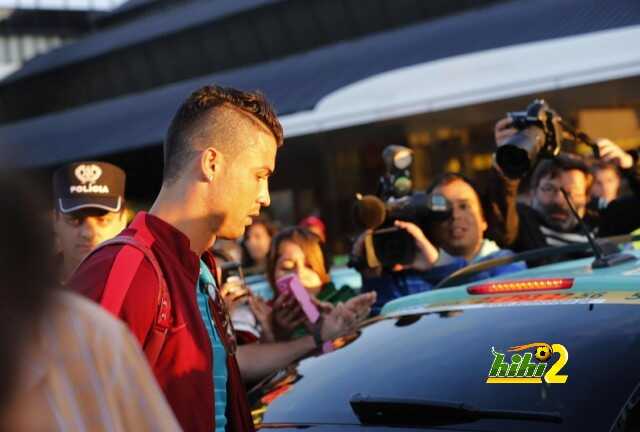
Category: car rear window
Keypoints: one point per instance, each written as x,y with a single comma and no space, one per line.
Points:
447,356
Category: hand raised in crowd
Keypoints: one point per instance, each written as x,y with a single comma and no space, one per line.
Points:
344,318
264,315
503,131
611,152
427,253
361,305
336,320
287,315
233,294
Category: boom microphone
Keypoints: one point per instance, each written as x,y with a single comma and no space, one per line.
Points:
369,211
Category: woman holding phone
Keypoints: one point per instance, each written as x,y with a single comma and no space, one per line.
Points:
298,251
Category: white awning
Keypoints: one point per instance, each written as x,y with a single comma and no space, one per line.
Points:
475,78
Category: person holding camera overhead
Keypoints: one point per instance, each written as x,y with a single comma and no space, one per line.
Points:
547,220
461,242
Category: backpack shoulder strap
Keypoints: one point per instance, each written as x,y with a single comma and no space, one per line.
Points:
128,260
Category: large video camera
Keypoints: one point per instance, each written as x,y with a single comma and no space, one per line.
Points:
541,132
396,200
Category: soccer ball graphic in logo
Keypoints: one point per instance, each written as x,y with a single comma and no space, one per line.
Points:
543,353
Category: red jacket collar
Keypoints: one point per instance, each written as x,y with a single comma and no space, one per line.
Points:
168,237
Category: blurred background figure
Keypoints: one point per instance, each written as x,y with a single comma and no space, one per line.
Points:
67,364
227,250
250,314
316,226
255,245
606,183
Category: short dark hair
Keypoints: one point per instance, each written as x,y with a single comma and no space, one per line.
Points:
599,165
555,166
449,177
200,104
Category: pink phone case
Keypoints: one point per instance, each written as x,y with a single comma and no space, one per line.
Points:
291,283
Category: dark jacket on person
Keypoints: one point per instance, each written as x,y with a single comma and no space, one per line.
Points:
392,285
520,227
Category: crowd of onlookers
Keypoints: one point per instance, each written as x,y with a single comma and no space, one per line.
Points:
89,369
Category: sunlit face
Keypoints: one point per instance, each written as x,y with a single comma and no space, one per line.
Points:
258,242
549,201
79,232
291,259
606,183
462,233
241,184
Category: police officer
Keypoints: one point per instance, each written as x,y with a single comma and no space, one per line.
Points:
89,208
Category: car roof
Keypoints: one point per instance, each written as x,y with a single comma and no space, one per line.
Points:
608,284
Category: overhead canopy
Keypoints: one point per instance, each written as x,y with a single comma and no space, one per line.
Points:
506,50
156,25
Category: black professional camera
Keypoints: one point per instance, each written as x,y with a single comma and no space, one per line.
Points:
540,136
389,245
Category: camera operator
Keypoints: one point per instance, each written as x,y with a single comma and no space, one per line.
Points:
461,240
547,221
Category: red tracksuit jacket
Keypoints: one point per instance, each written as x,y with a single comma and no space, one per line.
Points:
184,366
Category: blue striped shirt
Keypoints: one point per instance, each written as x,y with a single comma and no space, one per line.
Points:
206,285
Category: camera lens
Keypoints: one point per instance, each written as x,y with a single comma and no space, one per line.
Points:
516,156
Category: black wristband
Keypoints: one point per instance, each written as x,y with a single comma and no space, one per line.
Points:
317,333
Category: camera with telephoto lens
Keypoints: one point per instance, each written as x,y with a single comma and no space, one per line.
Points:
540,135
396,200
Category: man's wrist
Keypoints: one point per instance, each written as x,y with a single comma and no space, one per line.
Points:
495,166
316,333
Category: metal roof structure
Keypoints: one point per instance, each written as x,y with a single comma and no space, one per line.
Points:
541,40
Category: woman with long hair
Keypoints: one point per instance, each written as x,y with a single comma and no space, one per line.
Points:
298,250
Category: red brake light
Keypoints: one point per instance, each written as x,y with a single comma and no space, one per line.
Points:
509,286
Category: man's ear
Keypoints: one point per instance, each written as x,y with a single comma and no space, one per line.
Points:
123,212
210,162
484,226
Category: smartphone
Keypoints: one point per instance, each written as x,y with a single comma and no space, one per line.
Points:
233,283
291,284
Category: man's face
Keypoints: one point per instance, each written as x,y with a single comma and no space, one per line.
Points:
606,184
462,233
548,199
241,185
81,231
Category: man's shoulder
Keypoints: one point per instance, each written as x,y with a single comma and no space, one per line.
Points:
96,266
90,278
